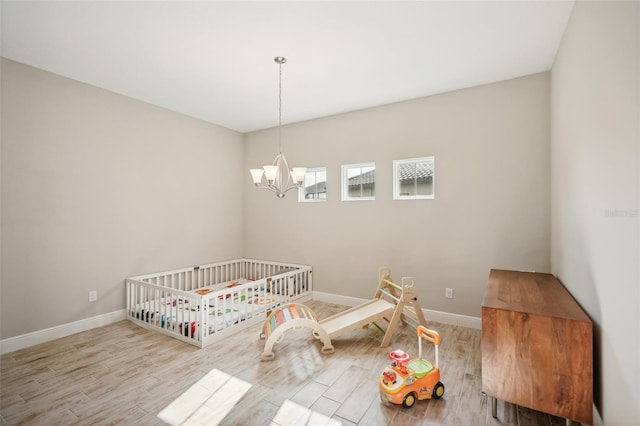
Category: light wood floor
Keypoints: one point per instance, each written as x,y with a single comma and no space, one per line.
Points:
124,374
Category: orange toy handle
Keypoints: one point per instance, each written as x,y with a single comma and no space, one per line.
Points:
429,335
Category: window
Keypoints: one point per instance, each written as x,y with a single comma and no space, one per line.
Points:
413,179
314,187
358,181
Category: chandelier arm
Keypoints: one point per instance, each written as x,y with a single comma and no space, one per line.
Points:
269,187
279,192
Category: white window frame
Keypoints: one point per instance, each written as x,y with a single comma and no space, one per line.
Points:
345,181
396,179
301,190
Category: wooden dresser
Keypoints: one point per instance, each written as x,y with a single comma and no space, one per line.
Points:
537,346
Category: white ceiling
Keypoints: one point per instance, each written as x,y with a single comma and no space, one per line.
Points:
214,60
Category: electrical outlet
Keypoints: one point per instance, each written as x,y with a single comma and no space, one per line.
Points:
448,293
93,296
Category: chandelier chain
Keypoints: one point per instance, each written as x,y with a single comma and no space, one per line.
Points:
280,107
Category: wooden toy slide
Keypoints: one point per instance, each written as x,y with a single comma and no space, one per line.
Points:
400,303
357,317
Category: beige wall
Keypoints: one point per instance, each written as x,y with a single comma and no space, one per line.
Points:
491,206
97,187
595,151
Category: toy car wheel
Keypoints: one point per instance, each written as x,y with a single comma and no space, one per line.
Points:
409,400
438,390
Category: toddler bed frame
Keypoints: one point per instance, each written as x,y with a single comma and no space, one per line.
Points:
201,304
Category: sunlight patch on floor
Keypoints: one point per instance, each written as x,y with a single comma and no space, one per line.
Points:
292,414
206,402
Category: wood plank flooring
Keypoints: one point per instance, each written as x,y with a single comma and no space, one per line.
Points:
124,374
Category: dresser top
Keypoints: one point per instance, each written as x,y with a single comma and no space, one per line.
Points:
531,292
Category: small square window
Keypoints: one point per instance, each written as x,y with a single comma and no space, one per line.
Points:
413,179
314,187
358,181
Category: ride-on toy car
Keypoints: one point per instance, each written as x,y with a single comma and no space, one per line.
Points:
405,379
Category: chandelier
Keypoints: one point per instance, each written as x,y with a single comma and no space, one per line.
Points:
279,178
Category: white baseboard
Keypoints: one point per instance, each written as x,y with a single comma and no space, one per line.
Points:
41,336
439,316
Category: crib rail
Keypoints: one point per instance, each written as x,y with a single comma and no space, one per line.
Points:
167,301
164,309
189,279
293,285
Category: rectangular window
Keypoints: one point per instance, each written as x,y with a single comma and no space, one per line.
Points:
358,181
413,179
314,187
